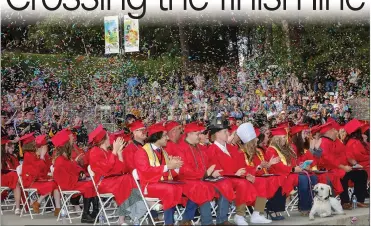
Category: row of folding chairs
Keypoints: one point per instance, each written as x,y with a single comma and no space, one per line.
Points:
108,205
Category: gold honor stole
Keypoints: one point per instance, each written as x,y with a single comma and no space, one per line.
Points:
260,156
283,159
154,161
314,167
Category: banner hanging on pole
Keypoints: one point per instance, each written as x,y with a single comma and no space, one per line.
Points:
111,34
131,34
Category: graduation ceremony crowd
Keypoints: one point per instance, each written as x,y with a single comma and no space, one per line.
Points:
218,156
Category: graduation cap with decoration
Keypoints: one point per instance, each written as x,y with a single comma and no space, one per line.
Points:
217,124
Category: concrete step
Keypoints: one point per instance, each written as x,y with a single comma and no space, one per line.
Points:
358,216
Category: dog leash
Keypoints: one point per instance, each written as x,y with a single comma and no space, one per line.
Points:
310,183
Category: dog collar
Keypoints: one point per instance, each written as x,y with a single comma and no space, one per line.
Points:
327,197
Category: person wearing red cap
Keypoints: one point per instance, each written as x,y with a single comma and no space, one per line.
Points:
174,132
69,175
300,144
155,166
358,154
324,151
112,174
139,132
196,167
231,161
35,172
9,177
280,147
77,155
357,149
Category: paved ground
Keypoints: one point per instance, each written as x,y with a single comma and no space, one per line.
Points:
359,216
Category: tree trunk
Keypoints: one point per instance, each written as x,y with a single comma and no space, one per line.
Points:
184,47
233,32
269,37
286,31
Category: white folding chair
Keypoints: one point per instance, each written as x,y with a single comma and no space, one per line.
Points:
30,192
66,201
109,199
154,202
293,204
8,202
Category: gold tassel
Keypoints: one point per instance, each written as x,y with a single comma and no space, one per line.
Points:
20,150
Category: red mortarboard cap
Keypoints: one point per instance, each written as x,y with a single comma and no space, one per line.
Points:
233,128
67,131
298,128
336,125
4,141
279,131
314,129
41,140
201,125
283,124
326,127
114,136
136,125
171,125
232,118
27,138
365,127
192,127
257,132
352,126
60,139
155,128
97,135
330,120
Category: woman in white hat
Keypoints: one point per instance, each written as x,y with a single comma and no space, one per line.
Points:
268,187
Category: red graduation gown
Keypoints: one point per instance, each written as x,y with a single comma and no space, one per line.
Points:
230,164
10,179
172,148
129,155
357,151
150,177
80,155
66,174
110,174
265,186
333,153
280,168
35,169
196,162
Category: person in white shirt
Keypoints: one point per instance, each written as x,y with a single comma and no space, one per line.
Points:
241,76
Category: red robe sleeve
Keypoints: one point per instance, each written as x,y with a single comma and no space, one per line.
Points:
279,168
129,156
104,163
146,172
